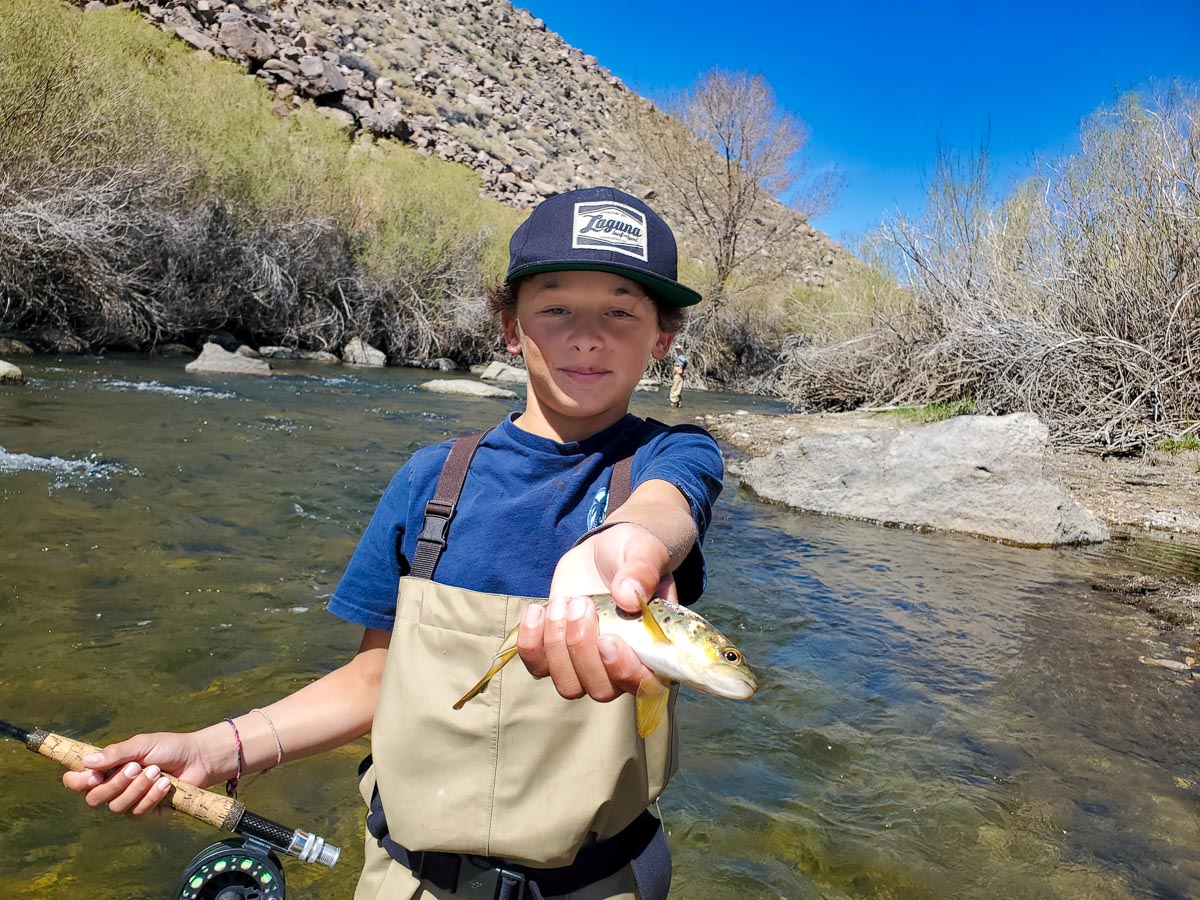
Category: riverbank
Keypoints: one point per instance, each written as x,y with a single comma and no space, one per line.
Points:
1155,494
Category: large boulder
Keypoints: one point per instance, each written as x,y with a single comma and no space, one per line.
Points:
358,352
981,475
466,388
10,374
215,360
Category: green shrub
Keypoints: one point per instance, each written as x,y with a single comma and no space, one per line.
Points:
149,195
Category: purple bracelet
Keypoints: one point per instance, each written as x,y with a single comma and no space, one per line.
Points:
232,784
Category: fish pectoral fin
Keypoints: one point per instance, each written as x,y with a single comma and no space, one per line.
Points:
652,696
507,651
651,623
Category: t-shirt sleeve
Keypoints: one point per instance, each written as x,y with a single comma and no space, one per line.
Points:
366,595
687,457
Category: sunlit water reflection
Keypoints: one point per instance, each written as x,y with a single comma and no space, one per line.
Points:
939,717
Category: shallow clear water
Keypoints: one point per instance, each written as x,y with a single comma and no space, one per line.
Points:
939,717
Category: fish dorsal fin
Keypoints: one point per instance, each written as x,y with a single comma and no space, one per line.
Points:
652,696
651,623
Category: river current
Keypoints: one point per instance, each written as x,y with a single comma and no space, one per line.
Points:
939,716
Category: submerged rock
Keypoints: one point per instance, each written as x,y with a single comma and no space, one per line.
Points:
466,388
10,374
214,360
980,475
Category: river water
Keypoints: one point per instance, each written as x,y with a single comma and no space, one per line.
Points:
939,716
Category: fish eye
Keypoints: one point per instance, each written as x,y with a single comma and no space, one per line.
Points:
732,655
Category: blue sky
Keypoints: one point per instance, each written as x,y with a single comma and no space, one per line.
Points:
879,83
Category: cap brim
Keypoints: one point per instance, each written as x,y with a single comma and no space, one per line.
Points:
672,291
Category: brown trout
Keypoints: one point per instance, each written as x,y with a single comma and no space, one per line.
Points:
675,643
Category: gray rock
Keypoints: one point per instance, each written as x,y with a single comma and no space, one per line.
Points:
248,352
466,388
978,475
504,373
197,39
358,352
10,374
214,360
242,40
13,347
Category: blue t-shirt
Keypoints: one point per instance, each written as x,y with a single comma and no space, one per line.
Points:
526,500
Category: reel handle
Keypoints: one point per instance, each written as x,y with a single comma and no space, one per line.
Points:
221,812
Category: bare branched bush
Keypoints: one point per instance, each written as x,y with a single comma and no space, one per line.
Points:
125,224
1076,297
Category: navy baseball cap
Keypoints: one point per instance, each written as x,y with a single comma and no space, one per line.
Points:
599,229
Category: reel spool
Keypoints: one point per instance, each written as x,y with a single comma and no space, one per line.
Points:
233,869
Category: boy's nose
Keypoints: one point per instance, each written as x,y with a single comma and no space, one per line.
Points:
586,336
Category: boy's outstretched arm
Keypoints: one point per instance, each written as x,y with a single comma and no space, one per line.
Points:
630,560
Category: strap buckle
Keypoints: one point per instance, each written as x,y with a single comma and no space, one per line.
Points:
492,883
437,522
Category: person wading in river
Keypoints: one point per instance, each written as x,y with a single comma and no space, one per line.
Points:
544,792
676,394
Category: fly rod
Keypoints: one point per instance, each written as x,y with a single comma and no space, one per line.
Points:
224,813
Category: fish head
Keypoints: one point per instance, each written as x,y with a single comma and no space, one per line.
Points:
706,659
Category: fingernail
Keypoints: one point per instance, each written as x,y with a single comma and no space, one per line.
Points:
636,589
533,615
557,608
152,772
608,650
93,759
576,607
132,769
94,779
163,783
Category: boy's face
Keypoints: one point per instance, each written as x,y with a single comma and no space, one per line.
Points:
586,338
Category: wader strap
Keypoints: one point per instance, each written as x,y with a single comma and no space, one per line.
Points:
619,484
440,510
641,845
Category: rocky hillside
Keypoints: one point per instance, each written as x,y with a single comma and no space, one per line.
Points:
478,82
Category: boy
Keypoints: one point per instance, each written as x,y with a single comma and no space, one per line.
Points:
535,796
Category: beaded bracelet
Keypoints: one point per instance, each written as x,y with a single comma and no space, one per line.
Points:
232,784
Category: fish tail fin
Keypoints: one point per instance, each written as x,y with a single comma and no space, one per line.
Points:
507,651
652,695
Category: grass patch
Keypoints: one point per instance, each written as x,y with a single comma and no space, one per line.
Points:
1178,445
934,412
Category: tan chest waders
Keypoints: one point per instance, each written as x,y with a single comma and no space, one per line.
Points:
520,794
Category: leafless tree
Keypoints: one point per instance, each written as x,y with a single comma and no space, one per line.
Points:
728,184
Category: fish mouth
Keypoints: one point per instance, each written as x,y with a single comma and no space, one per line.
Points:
738,686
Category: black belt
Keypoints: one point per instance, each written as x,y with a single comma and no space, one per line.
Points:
642,845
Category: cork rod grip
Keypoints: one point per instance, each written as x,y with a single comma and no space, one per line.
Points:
221,812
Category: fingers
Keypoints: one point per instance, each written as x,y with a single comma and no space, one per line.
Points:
562,642
131,789
622,666
530,641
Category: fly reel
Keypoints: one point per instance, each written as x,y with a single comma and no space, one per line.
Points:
233,869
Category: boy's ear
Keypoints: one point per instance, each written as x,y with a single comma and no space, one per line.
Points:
512,331
662,345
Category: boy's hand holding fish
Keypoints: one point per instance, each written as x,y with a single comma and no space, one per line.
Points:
631,560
